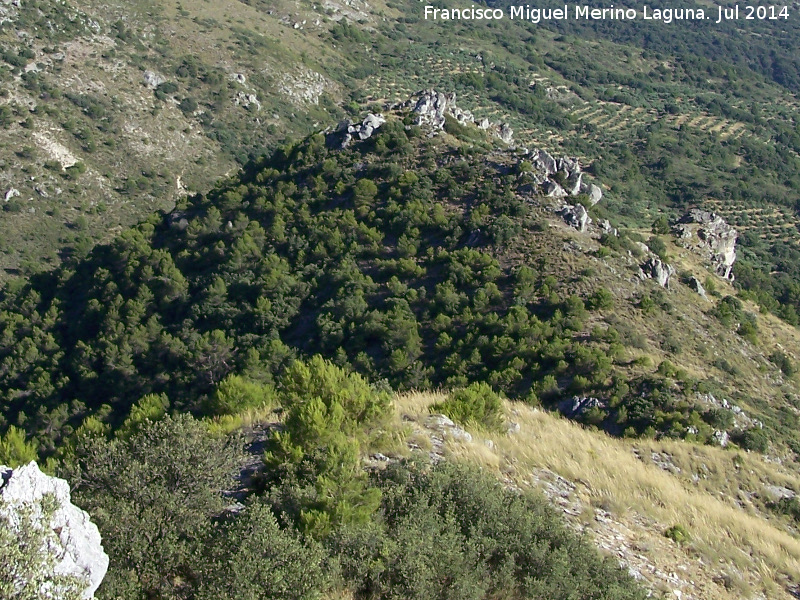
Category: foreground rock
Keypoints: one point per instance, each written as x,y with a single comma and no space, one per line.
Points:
708,233
76,546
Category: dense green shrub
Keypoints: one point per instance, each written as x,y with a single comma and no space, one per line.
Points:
754,439
781,360
252,558
478,403
152,496
330,415
15,449
454,533
678,533
236,394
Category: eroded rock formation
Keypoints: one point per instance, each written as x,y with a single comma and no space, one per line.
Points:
76,545
709,234
348,130
657,269
431,108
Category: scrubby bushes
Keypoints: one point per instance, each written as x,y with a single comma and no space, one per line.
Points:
441,532
330,416
451,532
475,404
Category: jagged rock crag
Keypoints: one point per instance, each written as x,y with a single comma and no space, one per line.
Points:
430,109
657,269
575,216
348,130
78,551
563,178
709,234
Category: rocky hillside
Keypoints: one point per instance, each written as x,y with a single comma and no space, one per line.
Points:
201,200
111,110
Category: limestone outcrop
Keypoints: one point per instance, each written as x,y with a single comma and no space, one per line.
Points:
697,286
561,177
76,546
152,79
348,130
431,108
657,269
577,406
708,233
575,216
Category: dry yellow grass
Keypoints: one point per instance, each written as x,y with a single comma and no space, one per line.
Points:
726,536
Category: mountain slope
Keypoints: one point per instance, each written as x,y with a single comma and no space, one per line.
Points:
421,260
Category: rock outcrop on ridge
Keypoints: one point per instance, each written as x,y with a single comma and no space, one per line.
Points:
657,269
431,108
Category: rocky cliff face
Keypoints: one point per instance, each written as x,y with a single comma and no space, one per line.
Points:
709,234
76,546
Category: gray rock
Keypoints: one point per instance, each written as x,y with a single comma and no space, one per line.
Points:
348,130
368,126
708,233
247,100
505,133
605,225
546,162
431,107
569,165
78,552
11,193
575,182
445,426
578,405
664,462
575,216
658,270
595,194
152,79
439,421
553,190
779,492
695,285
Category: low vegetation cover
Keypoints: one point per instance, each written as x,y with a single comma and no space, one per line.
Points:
477,404
321,524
